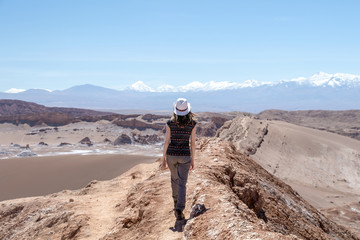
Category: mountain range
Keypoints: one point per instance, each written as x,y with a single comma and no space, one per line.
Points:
320,91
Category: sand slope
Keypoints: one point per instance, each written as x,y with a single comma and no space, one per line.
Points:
311,157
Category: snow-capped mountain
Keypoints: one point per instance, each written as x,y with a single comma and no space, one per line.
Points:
320,91
140,86
320,79
196,86
15,90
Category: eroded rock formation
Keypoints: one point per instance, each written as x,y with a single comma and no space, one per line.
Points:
246,133
86,141
122,139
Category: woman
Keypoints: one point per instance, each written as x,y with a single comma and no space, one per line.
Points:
178,155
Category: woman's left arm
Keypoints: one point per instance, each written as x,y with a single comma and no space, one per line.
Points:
193,141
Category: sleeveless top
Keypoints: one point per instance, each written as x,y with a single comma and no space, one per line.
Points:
179,139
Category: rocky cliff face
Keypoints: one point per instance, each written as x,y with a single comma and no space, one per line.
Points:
242,201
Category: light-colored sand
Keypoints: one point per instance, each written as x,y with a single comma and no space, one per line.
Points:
323,167
33,176
323,198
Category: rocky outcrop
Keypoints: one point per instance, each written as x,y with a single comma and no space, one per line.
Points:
229,197
146,139
64,144
246,133
86,141
122,139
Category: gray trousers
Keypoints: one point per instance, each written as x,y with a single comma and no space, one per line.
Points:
179,168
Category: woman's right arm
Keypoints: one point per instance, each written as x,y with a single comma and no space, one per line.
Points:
193,139
166,145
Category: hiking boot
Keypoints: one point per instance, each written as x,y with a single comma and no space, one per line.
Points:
179,215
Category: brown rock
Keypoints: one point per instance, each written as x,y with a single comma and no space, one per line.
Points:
197,210
146,139
122,139
64,144
43,144
86,141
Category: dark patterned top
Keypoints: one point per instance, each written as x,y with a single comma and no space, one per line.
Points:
179,139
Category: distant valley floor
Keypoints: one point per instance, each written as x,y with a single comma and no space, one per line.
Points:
36,176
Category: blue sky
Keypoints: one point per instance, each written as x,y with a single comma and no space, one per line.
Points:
61,43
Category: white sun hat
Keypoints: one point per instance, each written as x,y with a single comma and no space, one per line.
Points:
181,107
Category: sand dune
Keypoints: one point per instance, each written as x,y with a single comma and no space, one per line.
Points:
310,157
